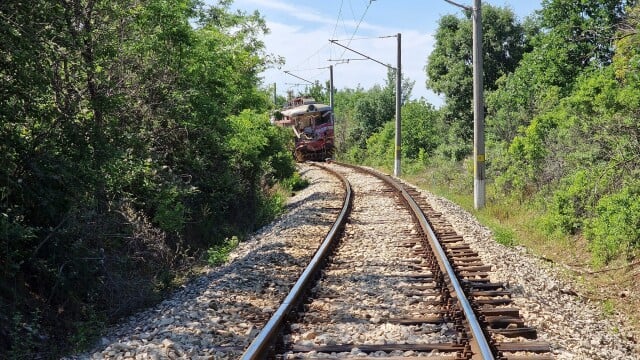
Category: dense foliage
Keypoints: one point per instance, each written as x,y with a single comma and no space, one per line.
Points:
133,138
576,146
562,118
361,113
125,150
449,68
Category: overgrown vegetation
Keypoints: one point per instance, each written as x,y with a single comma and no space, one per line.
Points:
134,139
126,152
562,99
219,253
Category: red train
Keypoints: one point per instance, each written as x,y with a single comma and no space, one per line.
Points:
312,125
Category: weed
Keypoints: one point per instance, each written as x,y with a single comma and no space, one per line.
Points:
608,307
504,236
218,254
295,182
87,331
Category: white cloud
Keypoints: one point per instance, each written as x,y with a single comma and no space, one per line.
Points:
307,14
301,35
301,30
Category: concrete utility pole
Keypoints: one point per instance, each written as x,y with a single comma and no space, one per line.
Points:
331,88
478,110
397,170
275,95
479,181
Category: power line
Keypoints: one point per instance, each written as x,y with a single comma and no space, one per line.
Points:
360,21
312,55
358,25
340,13
296,76
335,27
345,61
338,18
353,13
361,54
311,68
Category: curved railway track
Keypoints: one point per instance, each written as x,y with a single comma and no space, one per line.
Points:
378,295
396,268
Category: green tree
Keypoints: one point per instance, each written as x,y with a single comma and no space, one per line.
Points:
585,28
419,138
581,153
419,133
344,109
122,154
375,107
449,66
574,35
319,92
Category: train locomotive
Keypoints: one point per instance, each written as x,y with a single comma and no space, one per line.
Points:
312,126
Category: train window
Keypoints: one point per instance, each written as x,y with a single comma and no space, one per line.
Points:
324,118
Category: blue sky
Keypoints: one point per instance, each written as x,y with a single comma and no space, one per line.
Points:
301,29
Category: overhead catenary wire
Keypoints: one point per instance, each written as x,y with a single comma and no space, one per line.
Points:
305,60
296,76
346,61
361,54
310,68
358,25
335,27
323,47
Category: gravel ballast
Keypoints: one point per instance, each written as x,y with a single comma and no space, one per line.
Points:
575,327
217,315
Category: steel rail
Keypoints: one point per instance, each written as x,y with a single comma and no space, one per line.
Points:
259,348
476,329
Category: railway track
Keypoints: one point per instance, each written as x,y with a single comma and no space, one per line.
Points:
395,281
364,303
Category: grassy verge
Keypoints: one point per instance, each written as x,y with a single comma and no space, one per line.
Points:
615,288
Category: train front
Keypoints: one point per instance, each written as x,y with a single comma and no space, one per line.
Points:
312,125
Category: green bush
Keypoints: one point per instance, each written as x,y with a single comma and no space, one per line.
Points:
24,333
108,190
381,146
456,175
295,182
527,154
419,134
87,330
170,213
269,207
355,154
570,204
415,166
218,254
615,229
504,236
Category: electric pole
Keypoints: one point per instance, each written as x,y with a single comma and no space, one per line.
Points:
479,181
275,95
398,153
331,88
478,110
